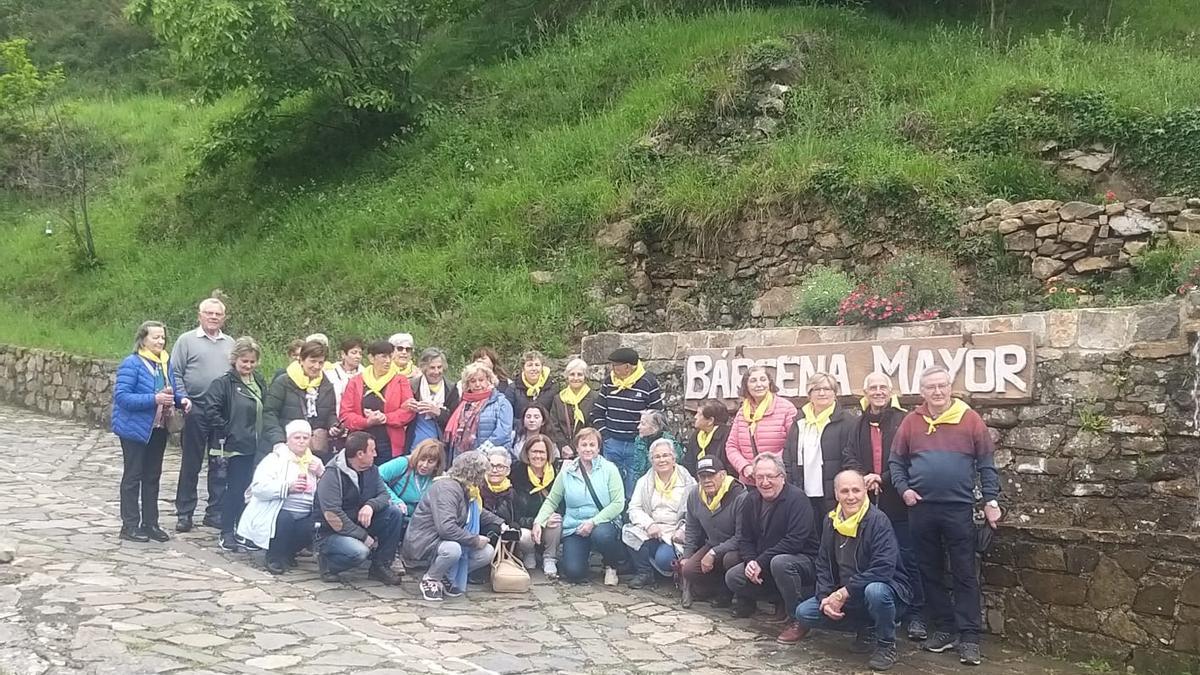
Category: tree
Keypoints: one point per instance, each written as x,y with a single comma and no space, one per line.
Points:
287,56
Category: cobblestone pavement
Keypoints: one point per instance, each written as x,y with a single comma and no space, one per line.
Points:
78,600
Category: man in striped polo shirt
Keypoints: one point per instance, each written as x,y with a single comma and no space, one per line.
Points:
627,392
939,449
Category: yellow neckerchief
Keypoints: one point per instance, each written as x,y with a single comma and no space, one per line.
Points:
502,486
819,420
953,415
473,494
328,367
716,500
542,483
302,461
628,382
433,387
296,374
848,527
532,389
867,404
665,489
407,370
160,360
703,438
753,418
573,399
376,386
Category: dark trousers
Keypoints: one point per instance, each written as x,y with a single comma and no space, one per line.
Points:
712,583
908,556
605,538
195,443
293,532
140,479
821,506
939,530
239,470
789,578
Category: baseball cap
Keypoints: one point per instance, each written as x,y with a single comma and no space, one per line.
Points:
709,465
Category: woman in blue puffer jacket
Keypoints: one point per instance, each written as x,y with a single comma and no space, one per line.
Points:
143,400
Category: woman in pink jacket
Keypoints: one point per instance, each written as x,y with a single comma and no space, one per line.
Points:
760,424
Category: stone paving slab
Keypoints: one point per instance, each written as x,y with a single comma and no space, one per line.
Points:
76,600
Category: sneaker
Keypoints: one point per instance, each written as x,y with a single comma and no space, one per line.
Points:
640,580
227,542
917,630
939,642
246,544
884,657
610,576
685,594
383,575
968,654
792,633
450,590
431,590
275,566
134,534
156,533
550,568
864,642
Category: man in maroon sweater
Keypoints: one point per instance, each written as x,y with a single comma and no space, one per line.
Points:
939,449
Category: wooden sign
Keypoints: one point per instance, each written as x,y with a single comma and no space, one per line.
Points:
995,367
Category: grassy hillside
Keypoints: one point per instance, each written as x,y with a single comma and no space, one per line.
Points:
437,232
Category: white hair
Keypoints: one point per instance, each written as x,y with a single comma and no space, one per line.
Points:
867,380
401,340
210,302
934,370
576,364
318,337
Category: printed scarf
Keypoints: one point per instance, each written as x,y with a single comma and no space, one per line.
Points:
464,421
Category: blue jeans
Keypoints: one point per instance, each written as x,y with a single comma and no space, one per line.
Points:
605,538
340,553
908,557
939,530
654,556
877,609
620,453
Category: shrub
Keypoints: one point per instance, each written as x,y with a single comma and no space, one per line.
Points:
820,294
1187,270
926,282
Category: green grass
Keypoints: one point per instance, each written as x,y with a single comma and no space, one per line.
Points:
437,233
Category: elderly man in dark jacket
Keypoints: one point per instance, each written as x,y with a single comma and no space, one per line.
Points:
356,513
777,545
868,452
861,582
710,545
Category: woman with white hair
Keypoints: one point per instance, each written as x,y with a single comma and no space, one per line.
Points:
434,398
403,346
656,515
279,516
571,408
652,427
444,535
499,497
483,417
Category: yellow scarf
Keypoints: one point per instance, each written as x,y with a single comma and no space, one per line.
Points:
573,399
867,404
408,370
433,388
753,418
378,385
665,489
953,415
160,360
502,486
533,389
819,420
473,495
302,461
848,527
542,483
703,438
716,500
628,382
296,374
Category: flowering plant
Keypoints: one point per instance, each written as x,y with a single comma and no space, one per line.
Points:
1061,296
1110,197
867,308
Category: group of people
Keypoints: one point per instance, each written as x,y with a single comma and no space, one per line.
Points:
841,516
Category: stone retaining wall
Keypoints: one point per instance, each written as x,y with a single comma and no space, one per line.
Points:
1100,474
58,383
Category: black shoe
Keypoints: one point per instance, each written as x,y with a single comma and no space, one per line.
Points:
742,608
326,574
721,601
968,654
864,642
884,657
939,642
685,594
275,566
134,534
227,542
246,544
184,524
384,575
641,580
917,631
212,521
156,533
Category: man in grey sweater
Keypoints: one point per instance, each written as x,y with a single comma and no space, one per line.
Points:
199,357
710,546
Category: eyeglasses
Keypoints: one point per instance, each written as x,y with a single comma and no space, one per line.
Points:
404,349
820,390
935,387
764,478
498,466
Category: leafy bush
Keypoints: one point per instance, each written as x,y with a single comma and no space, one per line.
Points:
820,294
1187,270
925,280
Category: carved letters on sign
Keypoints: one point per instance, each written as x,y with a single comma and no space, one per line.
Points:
989,366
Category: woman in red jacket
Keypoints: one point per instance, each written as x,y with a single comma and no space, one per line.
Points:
374,402
760,424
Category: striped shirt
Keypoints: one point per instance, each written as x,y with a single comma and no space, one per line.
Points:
617,413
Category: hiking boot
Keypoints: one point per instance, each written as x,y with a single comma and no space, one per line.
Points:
939,642
917,630
610,576
792,633
275,566
685,594
156,533
884,657
383,575
968,654
134,534
184,524
431,590
640,580
212,521
550,568
742,608
864,642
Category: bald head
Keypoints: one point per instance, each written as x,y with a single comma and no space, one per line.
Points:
851,490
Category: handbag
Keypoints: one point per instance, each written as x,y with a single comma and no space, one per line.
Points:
508,572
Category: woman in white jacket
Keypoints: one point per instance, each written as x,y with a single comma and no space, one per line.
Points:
657,510
279,516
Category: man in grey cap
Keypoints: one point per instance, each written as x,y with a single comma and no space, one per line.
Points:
629,390
710,545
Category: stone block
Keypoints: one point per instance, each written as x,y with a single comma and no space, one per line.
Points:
1047,231
1136,224
1082,559
1156,322
1157,661
1188,221
1190,593
1157,600
996,207
1110,586
1053,589
1045,267
1077,618
1088,445
1093,264
1002,577
1039,218
1040,466
1061,327
1020,241
1103,329
1134,563
1187,639
1078,233
1079,210
1043,439
1046,557
1167,205
1120,625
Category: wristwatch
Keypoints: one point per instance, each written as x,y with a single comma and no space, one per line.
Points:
993,503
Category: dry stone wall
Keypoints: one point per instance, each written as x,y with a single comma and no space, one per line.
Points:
58,383
1099,555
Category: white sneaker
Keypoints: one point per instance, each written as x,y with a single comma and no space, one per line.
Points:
610,576
550,568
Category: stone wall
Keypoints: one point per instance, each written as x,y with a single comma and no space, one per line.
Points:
57,383
1101,540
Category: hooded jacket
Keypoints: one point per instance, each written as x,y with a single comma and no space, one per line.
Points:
441,516
342,491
